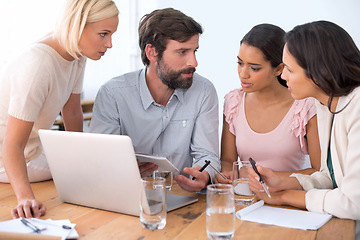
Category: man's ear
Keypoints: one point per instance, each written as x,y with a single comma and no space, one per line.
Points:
151,53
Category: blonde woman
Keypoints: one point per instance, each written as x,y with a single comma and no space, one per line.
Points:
44,80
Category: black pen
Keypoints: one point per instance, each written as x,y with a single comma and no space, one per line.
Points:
203,167
222,175
30,225
261,179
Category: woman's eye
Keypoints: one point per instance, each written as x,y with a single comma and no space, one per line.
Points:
102,34
255,69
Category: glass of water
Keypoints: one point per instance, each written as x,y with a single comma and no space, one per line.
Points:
153,203
242,193
168,178
220,211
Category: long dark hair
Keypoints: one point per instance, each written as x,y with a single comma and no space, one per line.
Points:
270,40
328,55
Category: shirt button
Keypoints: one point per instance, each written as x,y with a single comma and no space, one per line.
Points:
184,123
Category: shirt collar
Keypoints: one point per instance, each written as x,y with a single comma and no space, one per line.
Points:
145,94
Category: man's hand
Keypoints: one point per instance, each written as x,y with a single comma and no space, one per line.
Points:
200,182
28,208
147,168
220,179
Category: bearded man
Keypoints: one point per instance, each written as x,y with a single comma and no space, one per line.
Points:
165,108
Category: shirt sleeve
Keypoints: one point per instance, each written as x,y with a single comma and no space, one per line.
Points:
205,137
304,110
29,89
105,118
231,106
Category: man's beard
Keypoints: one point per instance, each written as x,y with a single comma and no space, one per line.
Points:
172,78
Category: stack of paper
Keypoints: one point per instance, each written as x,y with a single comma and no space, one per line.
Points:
60,228
283,217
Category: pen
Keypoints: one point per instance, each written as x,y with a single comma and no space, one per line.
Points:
30,225
207,162
222,175
261,179
51,223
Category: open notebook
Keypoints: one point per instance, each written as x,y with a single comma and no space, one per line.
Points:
98,170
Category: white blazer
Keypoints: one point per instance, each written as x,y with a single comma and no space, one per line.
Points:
344,201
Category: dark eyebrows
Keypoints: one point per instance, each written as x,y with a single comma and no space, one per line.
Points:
185,49
255,64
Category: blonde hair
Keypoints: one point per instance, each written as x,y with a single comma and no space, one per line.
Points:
76,15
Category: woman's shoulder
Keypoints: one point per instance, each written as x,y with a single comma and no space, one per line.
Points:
234,96
304,105
231,103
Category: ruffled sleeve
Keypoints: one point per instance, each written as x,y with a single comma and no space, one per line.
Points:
304,110
231,106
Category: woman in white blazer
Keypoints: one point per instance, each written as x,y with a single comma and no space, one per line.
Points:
322,61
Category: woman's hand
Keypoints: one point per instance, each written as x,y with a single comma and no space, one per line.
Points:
272,180
28,208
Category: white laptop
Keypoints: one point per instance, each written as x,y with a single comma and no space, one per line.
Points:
98,170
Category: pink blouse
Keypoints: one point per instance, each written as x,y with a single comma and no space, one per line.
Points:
282,149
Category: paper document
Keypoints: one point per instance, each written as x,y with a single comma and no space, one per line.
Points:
163,163
48,227
290,218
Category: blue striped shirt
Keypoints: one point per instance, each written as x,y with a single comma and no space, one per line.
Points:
186,128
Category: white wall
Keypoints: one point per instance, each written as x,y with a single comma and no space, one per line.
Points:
225,23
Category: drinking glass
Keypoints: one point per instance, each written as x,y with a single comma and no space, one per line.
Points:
168,178
153,203
242,193
220,211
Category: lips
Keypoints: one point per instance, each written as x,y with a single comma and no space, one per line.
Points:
246,85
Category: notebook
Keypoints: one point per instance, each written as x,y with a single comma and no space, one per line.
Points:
98,171
283,217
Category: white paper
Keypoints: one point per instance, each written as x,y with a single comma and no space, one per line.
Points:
283,217
163,163
47,227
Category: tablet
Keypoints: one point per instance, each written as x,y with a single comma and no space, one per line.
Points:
163,163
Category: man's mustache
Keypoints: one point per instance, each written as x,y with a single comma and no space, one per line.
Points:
188,70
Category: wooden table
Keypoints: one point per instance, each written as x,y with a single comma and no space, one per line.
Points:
185,223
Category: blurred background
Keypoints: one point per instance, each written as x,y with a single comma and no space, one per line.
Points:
225,23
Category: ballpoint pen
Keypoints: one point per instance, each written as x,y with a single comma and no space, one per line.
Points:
207,162
222,175
30,225
261,179
51,223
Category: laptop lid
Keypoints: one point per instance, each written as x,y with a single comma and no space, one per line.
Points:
98,170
